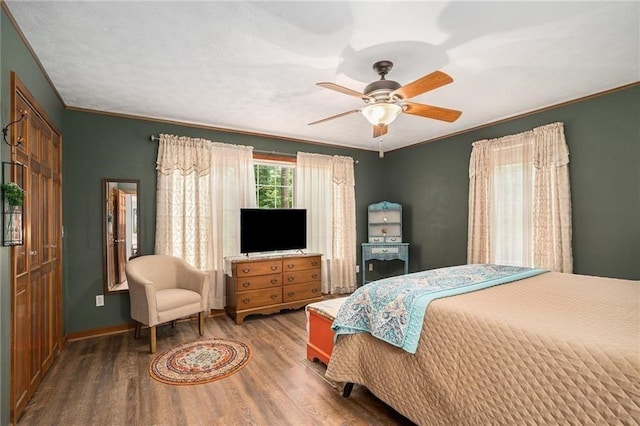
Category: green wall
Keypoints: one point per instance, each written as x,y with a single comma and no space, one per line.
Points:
100,146
603,133
14,56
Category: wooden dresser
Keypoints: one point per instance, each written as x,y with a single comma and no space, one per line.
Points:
264,285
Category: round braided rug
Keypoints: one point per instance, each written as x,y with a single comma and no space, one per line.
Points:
198,362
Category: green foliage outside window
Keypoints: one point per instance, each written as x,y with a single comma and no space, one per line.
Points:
274,185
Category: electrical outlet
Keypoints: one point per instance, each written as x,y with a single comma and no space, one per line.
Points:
357,269
99,300
371,267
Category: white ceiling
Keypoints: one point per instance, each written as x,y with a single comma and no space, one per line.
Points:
252,66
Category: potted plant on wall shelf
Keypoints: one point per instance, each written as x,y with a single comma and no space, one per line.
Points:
14,199
13,194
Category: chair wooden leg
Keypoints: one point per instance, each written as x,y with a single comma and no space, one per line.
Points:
201,323
136,334
152,339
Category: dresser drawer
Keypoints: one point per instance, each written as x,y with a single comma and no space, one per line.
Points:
257,298
257,282
300,263
300,277
385,239
248,269
385,250
301,291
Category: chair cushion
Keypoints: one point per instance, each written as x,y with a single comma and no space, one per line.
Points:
175,297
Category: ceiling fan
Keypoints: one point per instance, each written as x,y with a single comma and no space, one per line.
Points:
386,99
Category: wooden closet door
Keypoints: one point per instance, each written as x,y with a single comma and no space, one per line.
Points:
36,267
21,307
33,220
47,262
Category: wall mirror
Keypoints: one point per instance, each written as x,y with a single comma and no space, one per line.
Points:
121,236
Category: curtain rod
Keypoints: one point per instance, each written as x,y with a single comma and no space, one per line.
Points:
155,138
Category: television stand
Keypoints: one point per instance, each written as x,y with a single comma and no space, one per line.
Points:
264,285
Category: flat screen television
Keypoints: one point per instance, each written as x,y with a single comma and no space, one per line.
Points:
264,230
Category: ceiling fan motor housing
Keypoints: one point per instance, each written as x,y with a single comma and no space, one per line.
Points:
381,87
380,90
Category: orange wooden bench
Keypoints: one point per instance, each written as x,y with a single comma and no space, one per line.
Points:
320,316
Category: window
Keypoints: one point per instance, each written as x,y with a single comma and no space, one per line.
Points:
511,214
519,200
274,184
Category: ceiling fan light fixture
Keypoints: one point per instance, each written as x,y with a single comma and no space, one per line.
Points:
382,113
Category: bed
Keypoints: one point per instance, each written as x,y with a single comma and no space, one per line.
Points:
548,349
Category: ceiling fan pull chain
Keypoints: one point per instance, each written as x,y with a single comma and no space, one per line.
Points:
380,151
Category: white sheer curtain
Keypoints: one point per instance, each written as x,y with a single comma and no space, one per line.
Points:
325,187
200,189
233,186
519,200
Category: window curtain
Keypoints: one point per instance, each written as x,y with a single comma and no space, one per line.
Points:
325,187
343,265
183,210
201,186
233,186
519,200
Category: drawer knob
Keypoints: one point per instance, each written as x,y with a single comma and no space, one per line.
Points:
314,263
290,265
246,284
385,250
246,300
290,279
246,270
290,294
314,290
274,296
314,276
274,280
274,267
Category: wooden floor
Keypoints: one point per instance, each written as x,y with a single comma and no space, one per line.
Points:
105,381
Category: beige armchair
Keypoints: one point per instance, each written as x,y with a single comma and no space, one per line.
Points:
163,289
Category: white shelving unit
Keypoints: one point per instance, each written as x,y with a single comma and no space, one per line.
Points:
384,221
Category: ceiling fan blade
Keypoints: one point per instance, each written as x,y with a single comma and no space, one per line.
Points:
428,82
434,112
342,89
380,130
334,116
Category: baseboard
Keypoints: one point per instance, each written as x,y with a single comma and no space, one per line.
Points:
123,328
104,331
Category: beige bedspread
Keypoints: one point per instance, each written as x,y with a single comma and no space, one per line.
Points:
551,349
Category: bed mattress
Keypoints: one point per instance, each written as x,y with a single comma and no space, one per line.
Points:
551,349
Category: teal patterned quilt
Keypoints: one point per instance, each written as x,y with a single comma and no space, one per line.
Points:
393,309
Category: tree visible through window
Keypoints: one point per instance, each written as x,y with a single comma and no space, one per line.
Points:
274,184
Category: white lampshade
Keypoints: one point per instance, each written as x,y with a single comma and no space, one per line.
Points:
381,113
